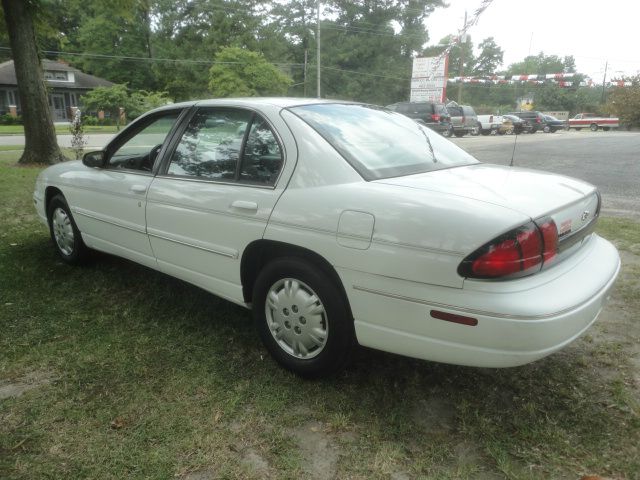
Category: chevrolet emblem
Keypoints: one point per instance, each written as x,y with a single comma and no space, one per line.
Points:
585,215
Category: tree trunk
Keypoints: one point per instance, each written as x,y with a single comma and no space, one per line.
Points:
40,137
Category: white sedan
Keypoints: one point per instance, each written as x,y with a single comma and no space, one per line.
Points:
339,223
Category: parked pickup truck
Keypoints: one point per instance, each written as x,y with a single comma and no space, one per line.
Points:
593,121
489,124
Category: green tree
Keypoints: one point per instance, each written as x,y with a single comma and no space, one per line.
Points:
624,102
489,58
40,138
542,64
108,99
240,72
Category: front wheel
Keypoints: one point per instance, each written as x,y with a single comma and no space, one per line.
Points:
64,232
594,127
302,317
448,132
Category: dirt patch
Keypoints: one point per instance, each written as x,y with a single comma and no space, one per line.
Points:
206,474
434,415
255,463
319,455
30,381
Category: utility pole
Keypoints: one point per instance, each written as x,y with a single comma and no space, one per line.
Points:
461,45
318,38
604,80
306,55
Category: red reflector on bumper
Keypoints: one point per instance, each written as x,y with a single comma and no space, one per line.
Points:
452,317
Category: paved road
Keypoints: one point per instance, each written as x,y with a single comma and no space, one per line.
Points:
97,140
609,160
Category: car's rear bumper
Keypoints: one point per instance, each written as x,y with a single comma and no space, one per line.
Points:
518,321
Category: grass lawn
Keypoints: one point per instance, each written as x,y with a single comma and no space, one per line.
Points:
60,129
115,371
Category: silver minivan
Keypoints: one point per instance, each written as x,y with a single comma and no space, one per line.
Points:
463,119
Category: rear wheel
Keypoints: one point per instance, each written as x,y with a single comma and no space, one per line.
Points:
448,132
594,127
64,232
302,317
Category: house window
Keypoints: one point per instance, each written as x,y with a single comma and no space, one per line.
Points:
11,96
56,75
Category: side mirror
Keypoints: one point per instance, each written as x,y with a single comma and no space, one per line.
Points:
94,159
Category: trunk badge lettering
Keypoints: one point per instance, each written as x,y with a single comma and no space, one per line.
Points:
565,228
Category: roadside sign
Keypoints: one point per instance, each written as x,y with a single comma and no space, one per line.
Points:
429,79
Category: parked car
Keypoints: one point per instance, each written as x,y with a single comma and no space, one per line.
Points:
511,125
552,124
533,120
433,115
463,119
489,124
341,222
593,121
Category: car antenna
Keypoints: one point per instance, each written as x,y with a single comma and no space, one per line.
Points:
513,154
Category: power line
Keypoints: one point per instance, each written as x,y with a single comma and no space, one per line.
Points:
365,73
153,59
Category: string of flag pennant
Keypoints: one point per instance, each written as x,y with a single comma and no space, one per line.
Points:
560,79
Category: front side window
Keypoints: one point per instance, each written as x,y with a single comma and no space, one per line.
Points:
379,143
139,152
228,145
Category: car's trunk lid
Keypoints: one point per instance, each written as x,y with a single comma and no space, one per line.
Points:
573,204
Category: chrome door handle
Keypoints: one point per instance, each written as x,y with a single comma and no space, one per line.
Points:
138,189
244,205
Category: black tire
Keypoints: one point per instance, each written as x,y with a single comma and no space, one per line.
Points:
594,127
335,317
485,132
547,129
64,232
448,132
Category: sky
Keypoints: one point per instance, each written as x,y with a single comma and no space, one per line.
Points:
592,31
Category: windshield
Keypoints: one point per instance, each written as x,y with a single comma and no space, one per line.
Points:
380,143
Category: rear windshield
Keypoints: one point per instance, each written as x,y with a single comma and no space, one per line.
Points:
415,110
379,143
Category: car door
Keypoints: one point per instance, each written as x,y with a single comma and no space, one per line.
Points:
110,207
218,186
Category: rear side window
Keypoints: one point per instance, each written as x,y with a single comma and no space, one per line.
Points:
230,145
468,111
455,111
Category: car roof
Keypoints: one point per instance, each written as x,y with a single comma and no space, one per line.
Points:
282,102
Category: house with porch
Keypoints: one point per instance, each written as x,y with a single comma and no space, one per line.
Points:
66,85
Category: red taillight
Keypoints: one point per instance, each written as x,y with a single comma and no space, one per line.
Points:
519,252
435,117
538,120
549,237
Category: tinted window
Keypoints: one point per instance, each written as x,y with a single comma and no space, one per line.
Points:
262,157
139,152
210,146
379,143
415,109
